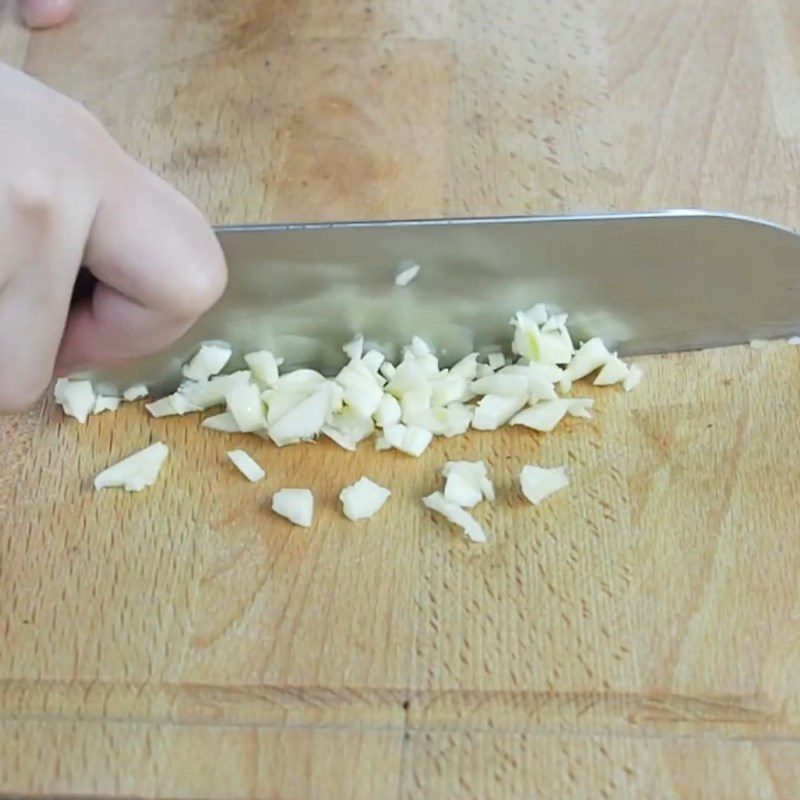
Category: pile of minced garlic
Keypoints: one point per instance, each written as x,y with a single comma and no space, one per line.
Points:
405,404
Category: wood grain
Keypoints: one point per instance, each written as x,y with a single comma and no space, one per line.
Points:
637,636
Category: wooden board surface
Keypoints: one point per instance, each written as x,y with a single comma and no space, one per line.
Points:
636,637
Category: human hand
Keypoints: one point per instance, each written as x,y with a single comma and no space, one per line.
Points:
70,196
46,13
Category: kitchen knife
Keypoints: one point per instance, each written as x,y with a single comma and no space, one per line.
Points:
647,283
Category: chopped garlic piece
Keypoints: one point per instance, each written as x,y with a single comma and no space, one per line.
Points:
281,401
171,405
615,370
204,394
224,422
247,408
296,505
793,340
537,314
549,373
543,416
350,421
59,388
301,380
336,395
554,347
362,389
388,411
264,367
539,482
539,389
467,368
246,465
416,401
460,491
363,499
388,370
372,360
467,483
304,420
452,420
344,441
136,471
407,438
407,274
505,385
429,365
448,389
590,356
105,403
135,392
347,428
354,350
207,361
455,514
77,398
419,347
579,407
539,379
407,377
634,378
493,410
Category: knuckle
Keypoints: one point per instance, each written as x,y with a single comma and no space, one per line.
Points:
35,192
44,180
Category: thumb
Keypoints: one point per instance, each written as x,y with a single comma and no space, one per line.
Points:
46,13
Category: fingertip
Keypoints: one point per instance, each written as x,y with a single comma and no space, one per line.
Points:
40,14
205,275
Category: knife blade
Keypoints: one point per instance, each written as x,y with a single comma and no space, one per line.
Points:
645,282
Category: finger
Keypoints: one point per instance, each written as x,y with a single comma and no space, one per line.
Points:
40,252
46,13
109,328
159,265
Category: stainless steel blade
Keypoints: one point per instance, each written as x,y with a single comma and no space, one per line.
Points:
650,282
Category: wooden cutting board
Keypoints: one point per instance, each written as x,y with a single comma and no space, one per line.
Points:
637,636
